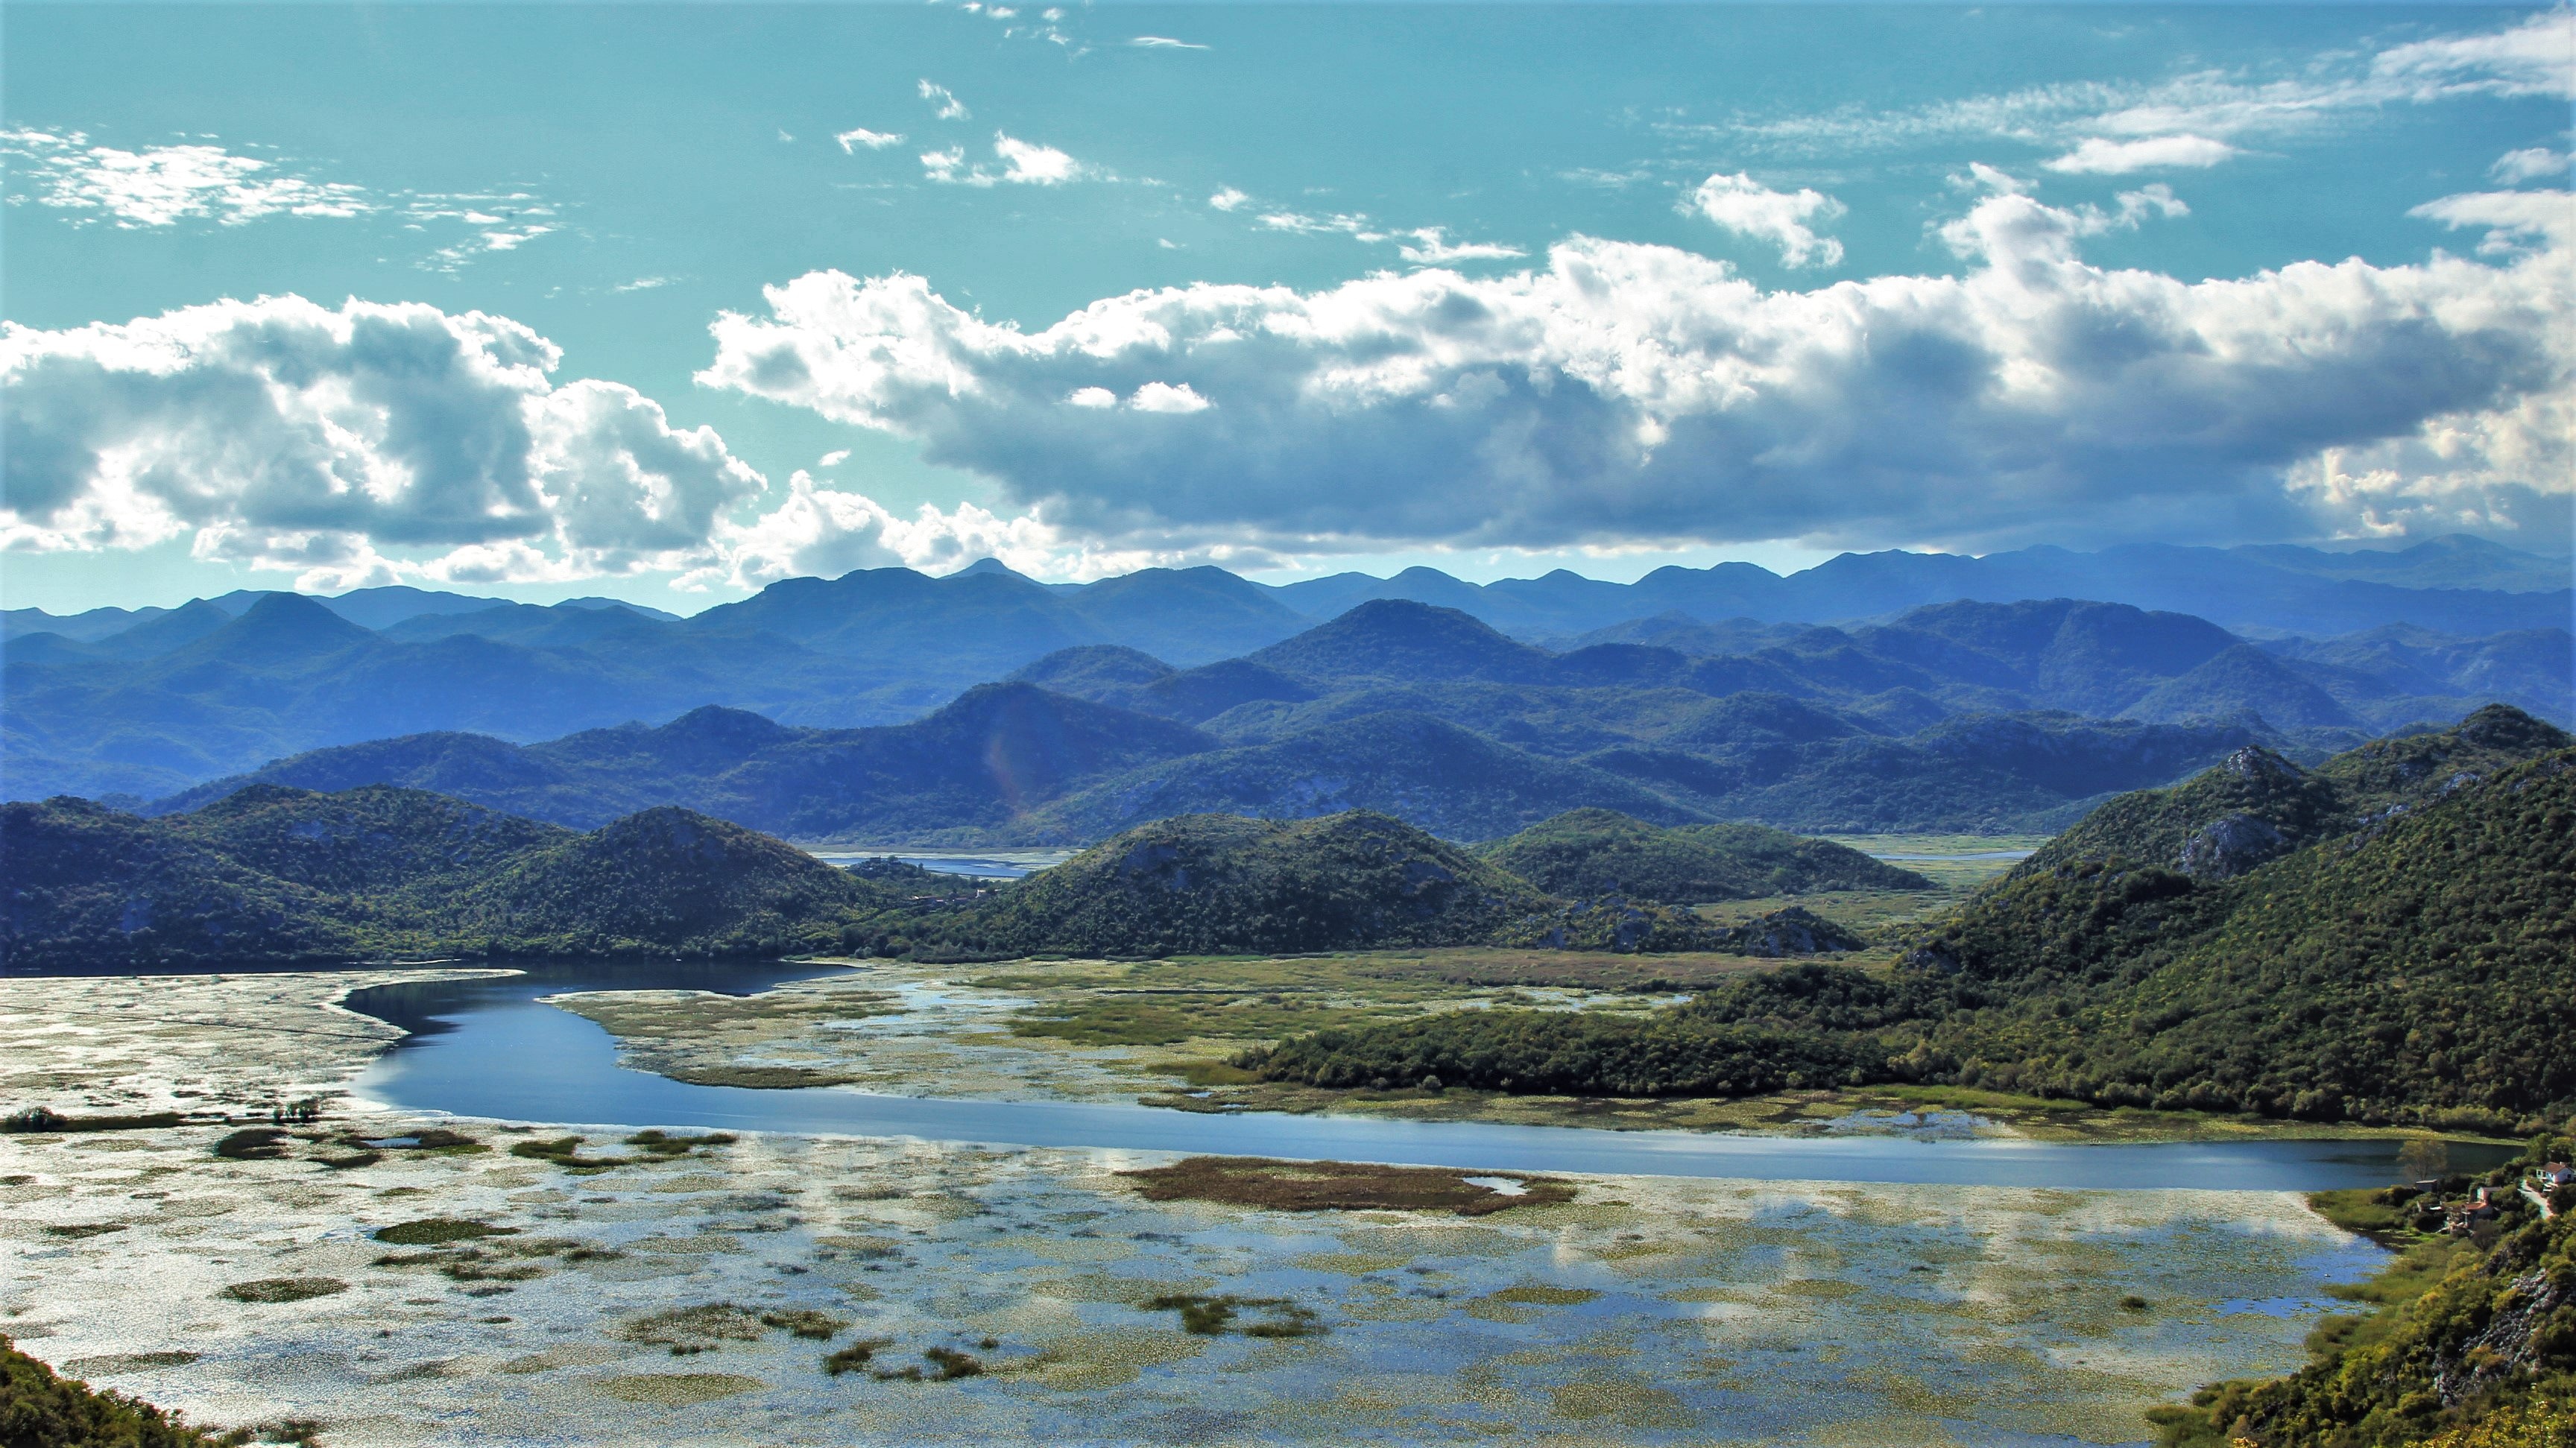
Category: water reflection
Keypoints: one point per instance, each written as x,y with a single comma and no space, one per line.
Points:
490,1048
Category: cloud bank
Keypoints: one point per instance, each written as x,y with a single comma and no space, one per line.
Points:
283,434
1626,393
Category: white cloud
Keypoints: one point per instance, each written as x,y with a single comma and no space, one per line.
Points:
164,185
2515,167
851,140
1033,164
1744,206
1347,223
1023,163
2099,156
944,102
2517,220
1163,42
170,185
283,434
1431,248
2535,57
1623,393
833,459
1165,397
1091,397
643,284
820,531
1227,199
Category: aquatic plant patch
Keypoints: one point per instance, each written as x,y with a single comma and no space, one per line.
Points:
437,1231
285,1289
43,1119
1321,1186
255,1143
1215,1316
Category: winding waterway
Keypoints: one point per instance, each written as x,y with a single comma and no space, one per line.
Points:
491,1048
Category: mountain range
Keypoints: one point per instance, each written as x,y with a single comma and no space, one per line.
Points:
147,703
1954,716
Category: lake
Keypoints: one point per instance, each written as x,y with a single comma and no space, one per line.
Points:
492,1048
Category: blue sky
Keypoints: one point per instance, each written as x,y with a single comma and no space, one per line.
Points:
552,300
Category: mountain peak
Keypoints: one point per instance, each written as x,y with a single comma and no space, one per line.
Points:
1401,639
279,628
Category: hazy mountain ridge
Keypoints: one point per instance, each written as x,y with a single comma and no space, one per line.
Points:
196,693
1428,715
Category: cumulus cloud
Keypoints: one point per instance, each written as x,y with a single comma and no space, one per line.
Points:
284,434
2102,157
1227,199
857,136
1029,164
1022,163
944,102
163,185
1748,208
823,532
1620,393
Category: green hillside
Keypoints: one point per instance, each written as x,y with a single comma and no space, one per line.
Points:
664,878
1602,852
1450,781
2416,970
88,886
1221,884
2257,805
274,874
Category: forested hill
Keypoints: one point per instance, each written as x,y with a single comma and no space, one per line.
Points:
273,874
2257,805
2415,969
1212,884
1602,852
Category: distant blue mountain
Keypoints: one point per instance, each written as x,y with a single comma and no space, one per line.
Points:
1954,716
145,702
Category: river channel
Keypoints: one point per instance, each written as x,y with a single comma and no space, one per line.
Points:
491,1047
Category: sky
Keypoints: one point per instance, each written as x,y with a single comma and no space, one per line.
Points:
666,302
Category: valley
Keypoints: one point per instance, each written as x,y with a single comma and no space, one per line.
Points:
1401,1031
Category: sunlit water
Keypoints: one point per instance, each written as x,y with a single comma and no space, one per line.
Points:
491,1048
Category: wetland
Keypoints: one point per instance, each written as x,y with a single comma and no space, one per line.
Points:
403,1274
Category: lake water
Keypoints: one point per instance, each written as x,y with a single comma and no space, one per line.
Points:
983,864
491,1048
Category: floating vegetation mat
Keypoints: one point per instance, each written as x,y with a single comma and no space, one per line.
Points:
1317,1186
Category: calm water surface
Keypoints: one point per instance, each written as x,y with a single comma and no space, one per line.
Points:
490,1048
